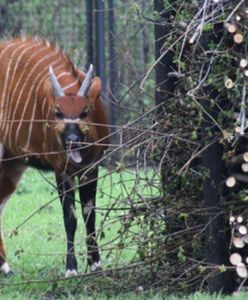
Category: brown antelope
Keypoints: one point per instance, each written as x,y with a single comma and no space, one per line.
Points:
49,111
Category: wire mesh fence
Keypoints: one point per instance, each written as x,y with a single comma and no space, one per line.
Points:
151,215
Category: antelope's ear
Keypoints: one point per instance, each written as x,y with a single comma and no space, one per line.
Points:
95,89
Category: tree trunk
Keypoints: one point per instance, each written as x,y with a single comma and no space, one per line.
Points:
215,192
164,85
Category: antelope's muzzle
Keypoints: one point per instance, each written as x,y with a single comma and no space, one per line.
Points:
72,144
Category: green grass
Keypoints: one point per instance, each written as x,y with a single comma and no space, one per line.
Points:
36,250
36,245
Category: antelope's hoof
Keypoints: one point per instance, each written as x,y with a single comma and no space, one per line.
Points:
96,266
70,273
6,270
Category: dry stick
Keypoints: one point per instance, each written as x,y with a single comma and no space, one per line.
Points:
242,284
186,165
201,81
234,11
82,184
157,61
79,276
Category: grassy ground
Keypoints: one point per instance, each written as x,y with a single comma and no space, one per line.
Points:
36,245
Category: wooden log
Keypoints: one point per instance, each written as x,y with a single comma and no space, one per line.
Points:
235,259
238,243
244,167
239,159
238,38
243,63
240,219
231,182
242,229
245,238
231,28
241,270
246,73
232,219
229,84
241,177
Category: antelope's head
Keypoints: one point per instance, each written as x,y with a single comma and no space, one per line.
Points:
71,114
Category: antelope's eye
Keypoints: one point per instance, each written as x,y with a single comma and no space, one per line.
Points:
59,115
83,115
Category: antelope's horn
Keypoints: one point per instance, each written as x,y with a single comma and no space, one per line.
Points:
86,83
57,89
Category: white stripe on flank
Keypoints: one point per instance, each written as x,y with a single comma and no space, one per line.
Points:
13,43
41,80
6,97
10,115
38,79
45,128
27,81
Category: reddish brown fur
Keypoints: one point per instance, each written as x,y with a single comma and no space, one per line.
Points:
27,106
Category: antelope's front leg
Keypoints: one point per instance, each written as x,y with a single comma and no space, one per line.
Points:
67,197
87,194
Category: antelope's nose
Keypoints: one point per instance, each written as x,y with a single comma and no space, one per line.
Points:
72,138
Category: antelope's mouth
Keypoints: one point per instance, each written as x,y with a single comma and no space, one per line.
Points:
74,154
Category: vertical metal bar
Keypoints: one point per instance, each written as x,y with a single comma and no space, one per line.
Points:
100,44
89,30
112,63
